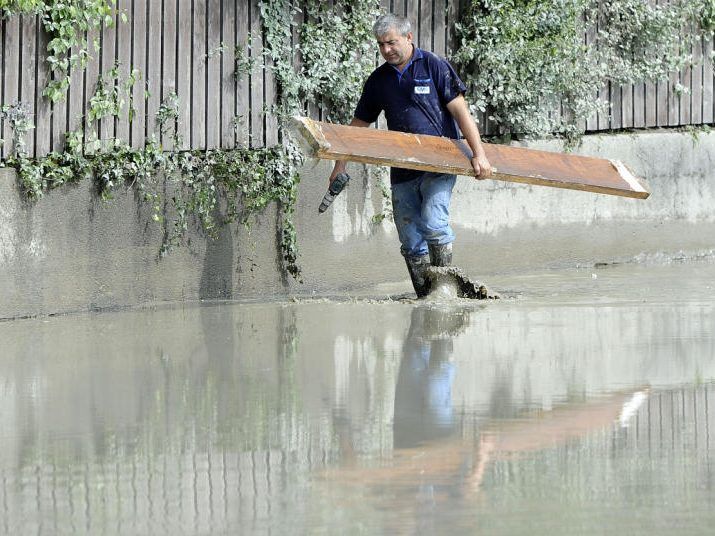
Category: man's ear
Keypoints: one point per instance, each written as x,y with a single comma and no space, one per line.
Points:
409,37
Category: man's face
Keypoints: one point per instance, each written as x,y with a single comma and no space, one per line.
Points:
395,48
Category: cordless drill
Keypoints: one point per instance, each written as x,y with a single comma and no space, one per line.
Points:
339,183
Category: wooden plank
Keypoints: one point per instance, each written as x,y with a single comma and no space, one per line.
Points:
228,81
432,153
257,121
243,90
168,65
124,56
183,71
28,65
707,82
213,74
138,20
696,99
153,67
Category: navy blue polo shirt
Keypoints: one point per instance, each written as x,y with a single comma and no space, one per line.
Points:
414,100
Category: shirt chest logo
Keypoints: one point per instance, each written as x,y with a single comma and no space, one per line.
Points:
422,90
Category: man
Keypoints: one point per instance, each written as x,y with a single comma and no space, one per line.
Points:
420,93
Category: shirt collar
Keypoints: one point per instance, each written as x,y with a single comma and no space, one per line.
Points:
416,55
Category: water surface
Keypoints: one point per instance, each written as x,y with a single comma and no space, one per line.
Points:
582,405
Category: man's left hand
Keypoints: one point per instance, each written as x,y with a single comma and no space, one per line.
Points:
482,167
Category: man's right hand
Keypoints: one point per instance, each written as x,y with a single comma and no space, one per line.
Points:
340,166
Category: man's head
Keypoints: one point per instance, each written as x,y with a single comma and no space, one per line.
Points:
394,37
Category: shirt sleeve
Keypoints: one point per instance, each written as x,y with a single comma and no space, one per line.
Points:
447,82
368,107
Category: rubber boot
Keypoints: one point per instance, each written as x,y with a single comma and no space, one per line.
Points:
417,267
440,255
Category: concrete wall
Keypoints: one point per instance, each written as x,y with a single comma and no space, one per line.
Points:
71,251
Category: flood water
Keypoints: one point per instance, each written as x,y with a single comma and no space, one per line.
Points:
583,404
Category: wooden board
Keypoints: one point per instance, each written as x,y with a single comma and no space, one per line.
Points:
432,153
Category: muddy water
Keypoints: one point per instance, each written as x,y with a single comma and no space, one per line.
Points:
584,404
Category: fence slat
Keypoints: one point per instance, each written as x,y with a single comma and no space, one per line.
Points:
51,119
651,104
168,65
184,71
108,54
439,34
627,104
270,96
213,73
124,56
139,53
616,106
422,13
91,75
27,75
685,101
707,81
153,67
243,101
228,81
198,76
2,86
639,103
590,41
696,100
453,13
257,78
399,8
673,99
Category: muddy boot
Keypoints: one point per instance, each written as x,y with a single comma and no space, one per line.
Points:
440,255
417,266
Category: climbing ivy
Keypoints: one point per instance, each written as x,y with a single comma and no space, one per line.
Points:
525,59
66,23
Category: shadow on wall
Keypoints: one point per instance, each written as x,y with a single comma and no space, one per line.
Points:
217,272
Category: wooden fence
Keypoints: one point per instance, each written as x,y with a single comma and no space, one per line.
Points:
188,47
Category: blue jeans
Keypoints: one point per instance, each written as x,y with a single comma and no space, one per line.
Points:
421,212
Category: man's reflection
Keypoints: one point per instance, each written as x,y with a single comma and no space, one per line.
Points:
423,396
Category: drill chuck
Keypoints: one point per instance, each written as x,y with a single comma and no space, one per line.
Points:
339,183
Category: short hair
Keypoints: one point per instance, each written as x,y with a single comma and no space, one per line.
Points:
385,23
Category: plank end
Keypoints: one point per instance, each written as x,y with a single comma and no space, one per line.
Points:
308,134
636,184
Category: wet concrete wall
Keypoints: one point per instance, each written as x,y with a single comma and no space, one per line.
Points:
70,251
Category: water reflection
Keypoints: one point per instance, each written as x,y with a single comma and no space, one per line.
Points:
362,417
424,410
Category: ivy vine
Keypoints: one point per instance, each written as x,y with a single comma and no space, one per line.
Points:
525,59
66,22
